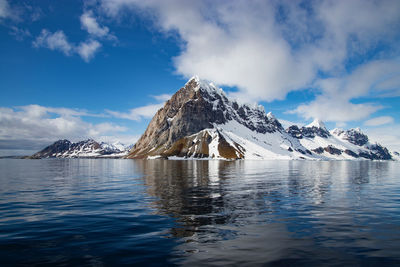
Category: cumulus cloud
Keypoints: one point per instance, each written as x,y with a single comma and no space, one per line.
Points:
5,10
35,126
335,110
90,24
379,121
18,11
58,41
54,41
373,79
267,48
143,112
87,49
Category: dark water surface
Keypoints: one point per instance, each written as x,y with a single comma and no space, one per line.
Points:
107,212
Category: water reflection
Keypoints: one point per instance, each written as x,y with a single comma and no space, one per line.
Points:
158,212
277,211
190,191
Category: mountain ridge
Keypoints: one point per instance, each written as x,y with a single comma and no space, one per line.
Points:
88,148
200,121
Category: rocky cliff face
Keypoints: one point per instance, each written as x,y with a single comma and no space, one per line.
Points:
200,121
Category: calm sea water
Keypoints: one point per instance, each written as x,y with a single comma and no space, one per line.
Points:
106,212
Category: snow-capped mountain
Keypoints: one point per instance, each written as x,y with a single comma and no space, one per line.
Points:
116,146
83,149
200,121
338,144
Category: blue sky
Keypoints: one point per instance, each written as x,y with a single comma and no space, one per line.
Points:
101,68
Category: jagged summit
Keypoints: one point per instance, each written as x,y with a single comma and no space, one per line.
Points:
210,88
317,123
205,86
315,128
271,116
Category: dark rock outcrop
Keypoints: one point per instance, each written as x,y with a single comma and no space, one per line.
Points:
308,131
354,136
351,153
295,132
333,150
318,150
379,152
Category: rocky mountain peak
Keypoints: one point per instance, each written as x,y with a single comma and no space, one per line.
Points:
197,106
317,123
271,116
57,147
337,131
315,128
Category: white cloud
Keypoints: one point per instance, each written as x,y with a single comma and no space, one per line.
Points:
58,41
162,97
270,48
143,112
340,124
137,114
267,48
18,11
33,125
19,33
379,121
388,136
335,110
90,24
373,79
87,49
5,10
54,41
286,124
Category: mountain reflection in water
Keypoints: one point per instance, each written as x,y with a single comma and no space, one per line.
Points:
159,212
279,211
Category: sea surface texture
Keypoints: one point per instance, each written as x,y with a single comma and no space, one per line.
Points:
107,212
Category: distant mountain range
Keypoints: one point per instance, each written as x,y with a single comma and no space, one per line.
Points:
83,149
200,121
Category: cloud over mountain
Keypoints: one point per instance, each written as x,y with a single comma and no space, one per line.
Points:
270,48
